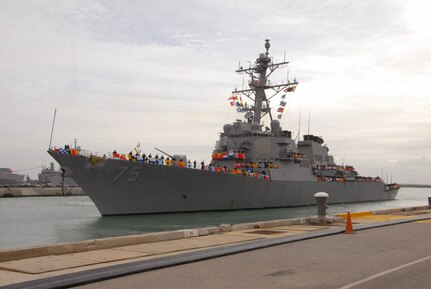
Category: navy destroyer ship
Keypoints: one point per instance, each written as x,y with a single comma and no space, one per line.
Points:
252,166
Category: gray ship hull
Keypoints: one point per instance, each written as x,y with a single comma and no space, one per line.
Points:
120,187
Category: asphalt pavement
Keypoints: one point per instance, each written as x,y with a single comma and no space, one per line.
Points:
395,256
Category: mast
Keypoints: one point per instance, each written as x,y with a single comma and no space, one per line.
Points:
52,129
299,128
258,83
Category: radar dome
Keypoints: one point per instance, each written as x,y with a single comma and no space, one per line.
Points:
275,126
227,127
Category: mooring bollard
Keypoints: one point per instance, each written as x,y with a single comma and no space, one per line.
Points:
321,201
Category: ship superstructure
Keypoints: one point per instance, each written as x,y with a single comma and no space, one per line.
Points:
247,148
9,177
252,166
51,177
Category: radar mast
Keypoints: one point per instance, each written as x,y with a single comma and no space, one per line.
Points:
259,73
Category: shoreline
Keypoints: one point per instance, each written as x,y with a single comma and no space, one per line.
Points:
90,261
14,192
21,191
154,237
419,186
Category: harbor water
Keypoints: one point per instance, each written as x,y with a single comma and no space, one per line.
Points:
35,221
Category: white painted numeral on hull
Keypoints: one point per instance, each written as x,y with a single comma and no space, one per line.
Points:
134,174
131,177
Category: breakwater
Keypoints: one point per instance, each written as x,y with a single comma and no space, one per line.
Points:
415,186
40,191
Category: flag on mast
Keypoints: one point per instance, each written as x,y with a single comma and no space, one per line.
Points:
290,89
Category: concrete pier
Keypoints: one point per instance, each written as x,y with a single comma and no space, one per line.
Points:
277,254
40,191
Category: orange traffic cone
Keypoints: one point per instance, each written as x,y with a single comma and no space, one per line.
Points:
349,227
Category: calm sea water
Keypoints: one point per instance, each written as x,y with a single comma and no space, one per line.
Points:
35,221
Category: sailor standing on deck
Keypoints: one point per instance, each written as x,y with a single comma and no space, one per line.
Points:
131,157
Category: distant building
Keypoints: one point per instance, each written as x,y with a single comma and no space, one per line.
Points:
51,177
7,177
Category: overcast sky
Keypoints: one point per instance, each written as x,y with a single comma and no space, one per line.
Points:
160,72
